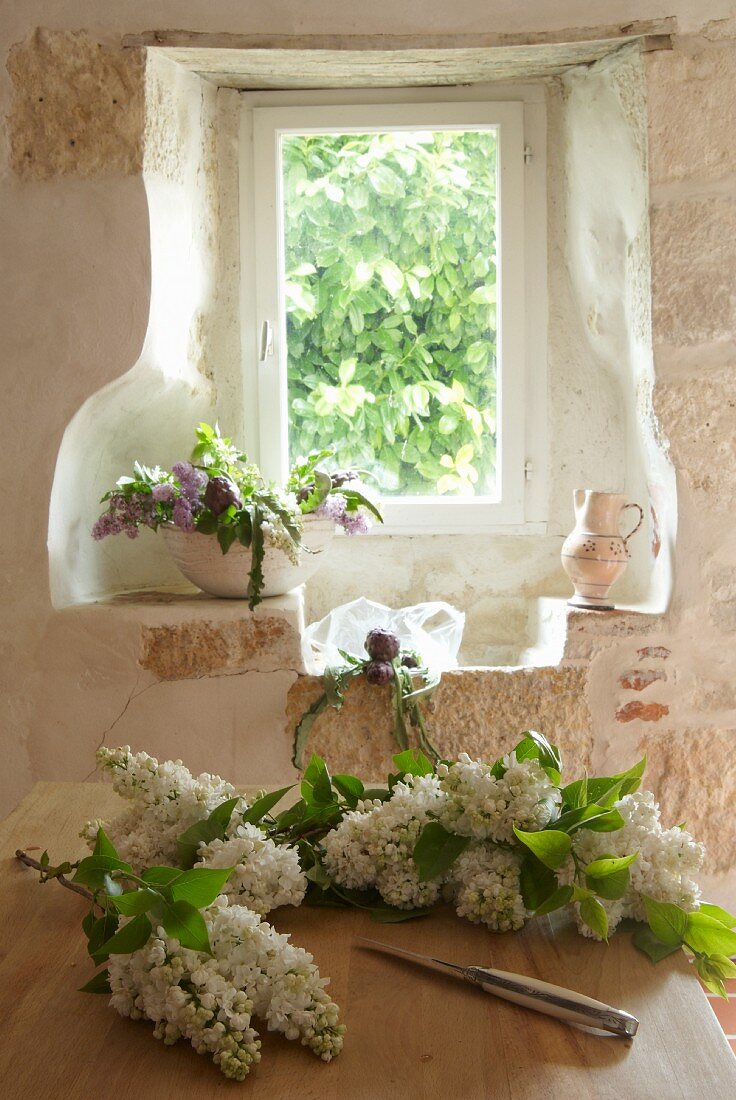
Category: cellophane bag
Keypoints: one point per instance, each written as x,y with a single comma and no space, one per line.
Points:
434,630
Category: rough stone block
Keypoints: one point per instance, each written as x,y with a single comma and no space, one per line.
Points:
693,774
78,107
185,638
190,650
478,711
692,103
694,270
698,413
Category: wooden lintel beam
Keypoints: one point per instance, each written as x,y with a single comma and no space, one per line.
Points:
179,39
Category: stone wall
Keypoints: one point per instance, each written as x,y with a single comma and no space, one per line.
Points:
75,304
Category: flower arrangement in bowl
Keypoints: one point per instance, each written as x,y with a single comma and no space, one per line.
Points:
263,540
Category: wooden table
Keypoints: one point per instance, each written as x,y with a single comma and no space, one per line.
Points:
411,1035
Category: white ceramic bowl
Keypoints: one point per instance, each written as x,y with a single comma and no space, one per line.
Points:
202,562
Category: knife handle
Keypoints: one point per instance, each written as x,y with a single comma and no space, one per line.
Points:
554,1000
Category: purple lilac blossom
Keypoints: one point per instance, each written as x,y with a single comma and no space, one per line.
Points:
356,523
182,515
162,494
334,507
125,514
191,480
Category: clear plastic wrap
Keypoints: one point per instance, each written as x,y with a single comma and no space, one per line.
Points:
434,630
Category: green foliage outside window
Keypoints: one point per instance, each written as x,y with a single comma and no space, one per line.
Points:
390,256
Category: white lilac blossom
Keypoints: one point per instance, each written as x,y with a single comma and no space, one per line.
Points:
664,869
165,799
484,807
373,845
485,887
265,875
253,970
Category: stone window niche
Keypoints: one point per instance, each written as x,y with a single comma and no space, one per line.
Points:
600,431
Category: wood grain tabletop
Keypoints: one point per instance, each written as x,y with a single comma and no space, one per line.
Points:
412,1035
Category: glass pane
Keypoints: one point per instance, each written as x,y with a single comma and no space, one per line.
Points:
390,263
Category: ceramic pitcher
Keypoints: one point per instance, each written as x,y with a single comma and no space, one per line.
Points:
595,553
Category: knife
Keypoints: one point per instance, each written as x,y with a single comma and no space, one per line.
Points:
553,1000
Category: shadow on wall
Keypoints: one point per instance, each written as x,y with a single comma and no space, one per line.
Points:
149,412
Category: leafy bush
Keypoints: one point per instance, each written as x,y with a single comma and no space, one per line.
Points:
390,245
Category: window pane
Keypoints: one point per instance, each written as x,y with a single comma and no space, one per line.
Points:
390,262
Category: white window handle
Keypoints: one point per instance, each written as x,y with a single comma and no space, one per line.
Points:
266,341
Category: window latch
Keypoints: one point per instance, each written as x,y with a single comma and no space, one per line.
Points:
266,341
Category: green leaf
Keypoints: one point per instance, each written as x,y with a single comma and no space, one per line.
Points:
537,746
226,536
436,850
201,885
99,984
537,882
212,828
609,865
256,581
707,935
92,870
350,787
316,785
318,875
255,813
593,817
550,846
645,940
380,793
723,966
161,876
89,921
100,931
104,846
136,901
301,733
557,900
611,887
412,762
608,822
666,920
711,977
717,913
131,937
183,922
594,915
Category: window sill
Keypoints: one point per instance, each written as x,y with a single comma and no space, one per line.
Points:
183,636
472,528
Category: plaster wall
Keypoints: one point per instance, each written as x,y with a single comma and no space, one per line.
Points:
75,315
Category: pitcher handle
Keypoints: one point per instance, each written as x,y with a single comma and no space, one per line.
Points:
633,531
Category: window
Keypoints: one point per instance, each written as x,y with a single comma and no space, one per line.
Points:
385,249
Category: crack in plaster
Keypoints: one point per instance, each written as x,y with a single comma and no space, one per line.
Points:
131,698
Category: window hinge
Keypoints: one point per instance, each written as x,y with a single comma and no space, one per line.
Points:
528,154
528,470
266,348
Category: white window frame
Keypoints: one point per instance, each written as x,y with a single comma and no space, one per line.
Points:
521,276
